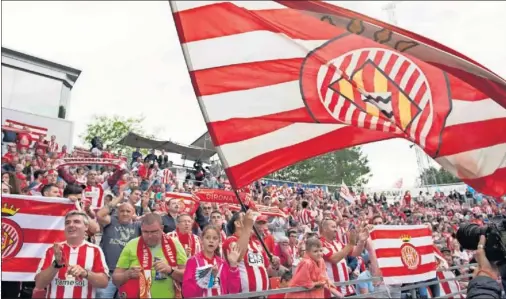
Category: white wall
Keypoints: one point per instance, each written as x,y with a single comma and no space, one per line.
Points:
63,129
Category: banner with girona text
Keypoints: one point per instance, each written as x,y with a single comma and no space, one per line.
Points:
30,224
405,253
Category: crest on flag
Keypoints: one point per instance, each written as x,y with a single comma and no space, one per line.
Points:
360,83
409,255
12,234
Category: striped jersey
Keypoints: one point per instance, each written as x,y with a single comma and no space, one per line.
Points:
89,256
337,272
253,268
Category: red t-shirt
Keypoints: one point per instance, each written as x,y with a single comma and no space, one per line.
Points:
407,199
142,171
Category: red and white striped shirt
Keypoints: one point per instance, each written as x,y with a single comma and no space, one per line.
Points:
168,176
95,194
336,272
52,146
341,235
305,217
253,268
188,241
89,256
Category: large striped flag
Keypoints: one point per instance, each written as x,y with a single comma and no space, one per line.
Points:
282,81
30,224
405,253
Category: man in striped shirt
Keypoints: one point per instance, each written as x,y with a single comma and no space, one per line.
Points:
335,253
74,268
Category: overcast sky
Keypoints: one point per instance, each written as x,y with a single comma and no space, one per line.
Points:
132,63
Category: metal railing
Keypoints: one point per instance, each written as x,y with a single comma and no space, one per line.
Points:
410,287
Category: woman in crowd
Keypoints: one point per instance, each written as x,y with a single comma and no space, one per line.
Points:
222,276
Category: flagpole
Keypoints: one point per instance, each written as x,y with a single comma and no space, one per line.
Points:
173,8
259,237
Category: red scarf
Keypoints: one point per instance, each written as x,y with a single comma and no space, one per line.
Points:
141,288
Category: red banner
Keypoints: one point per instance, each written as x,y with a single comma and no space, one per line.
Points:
221,196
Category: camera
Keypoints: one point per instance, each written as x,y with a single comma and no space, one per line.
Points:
469,234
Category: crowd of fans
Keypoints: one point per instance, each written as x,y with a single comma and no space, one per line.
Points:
323,239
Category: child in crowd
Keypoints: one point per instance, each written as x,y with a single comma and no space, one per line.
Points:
312,274
207,274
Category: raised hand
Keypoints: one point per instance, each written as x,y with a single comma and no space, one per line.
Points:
233,255
58,255
249,218
353,236
363,234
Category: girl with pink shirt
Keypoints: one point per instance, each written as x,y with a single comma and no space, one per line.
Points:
207,274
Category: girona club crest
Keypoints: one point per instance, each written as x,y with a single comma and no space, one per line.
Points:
358,82
410,256
12,234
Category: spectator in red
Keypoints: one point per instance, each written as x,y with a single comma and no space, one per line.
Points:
24,139
143,172
10,154
120,156
407,199
63,153
106,154
21,176
52,145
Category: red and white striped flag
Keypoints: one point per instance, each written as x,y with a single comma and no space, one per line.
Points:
405,253
344,192
303,78
35,131
30,224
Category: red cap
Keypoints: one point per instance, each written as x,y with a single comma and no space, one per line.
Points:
261,218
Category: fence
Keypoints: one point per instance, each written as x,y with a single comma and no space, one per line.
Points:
412,288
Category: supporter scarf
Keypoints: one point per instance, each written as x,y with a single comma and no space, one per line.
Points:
141,288
221,196
91,161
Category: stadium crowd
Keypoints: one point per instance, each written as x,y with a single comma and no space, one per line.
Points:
136,235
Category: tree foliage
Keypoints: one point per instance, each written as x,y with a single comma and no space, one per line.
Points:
348,165
434,176
111,129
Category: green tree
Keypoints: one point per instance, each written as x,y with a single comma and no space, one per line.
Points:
111,129
348,165
434,176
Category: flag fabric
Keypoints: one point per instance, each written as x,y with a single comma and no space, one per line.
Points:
398,184
30,224
344,192
302,78
35,131
405,253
